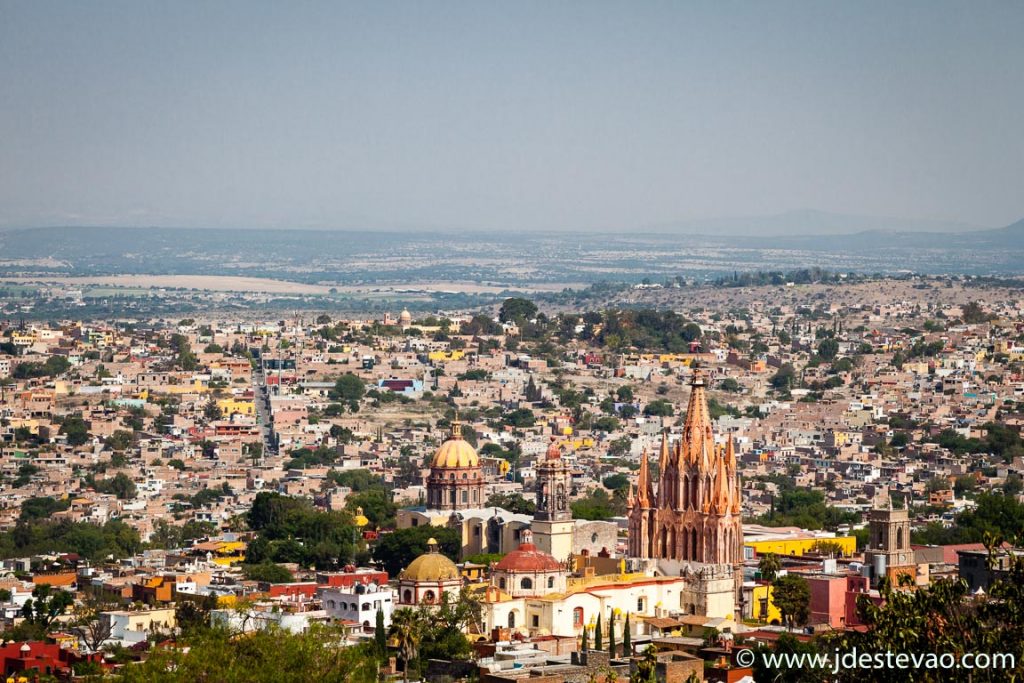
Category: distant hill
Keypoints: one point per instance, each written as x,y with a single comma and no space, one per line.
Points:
807,223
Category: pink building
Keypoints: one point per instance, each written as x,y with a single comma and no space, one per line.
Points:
828,599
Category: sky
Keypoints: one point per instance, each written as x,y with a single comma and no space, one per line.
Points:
507,116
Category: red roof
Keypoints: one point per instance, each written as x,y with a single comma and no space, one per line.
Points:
527,558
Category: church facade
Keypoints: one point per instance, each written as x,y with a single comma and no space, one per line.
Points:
691,524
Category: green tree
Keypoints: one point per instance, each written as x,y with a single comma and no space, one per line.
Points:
268,572
349,388
120,440
407,628
611,635
616,481
193,614
75,429
46,604
517,310
792,595
659,408
769,566
266,655
828,348
380,635
42,507
647,668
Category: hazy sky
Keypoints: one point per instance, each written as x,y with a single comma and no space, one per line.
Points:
512,115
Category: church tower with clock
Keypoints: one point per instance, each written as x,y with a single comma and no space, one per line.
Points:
552,521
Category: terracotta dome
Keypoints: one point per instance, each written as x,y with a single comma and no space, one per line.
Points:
431,566
528,558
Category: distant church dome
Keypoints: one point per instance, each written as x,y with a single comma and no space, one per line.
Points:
456,480
430,566
456,451
405,317
528,558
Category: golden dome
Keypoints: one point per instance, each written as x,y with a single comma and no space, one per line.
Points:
430,566
360,519
456,451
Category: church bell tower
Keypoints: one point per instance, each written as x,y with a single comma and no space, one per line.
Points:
552,521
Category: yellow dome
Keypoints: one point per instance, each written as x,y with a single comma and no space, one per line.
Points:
431,566
456,453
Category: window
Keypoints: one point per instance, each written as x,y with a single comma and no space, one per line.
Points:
511,619
639,604
526,584
465,476
501,584
465,496
536,621
551,582
428,597
577,617
407,597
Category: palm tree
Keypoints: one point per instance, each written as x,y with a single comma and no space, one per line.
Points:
769,566
407,629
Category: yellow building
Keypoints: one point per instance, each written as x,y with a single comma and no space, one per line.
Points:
232,406
442,356
761,540
762,604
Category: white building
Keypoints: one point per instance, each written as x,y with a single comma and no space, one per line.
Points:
359,604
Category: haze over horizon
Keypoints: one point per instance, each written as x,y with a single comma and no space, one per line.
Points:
592,116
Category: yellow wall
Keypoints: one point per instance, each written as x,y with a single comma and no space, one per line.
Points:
446,355
800,546
229,406
758,594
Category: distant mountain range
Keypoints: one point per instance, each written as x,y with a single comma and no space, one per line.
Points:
1009,237
806,223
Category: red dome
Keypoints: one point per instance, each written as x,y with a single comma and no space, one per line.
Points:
527,558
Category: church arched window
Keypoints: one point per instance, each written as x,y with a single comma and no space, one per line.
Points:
526,584
551,582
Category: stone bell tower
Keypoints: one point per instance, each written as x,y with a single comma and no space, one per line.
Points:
552,521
